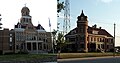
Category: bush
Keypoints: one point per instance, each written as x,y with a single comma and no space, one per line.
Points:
0,52
9,53
23,52
81,55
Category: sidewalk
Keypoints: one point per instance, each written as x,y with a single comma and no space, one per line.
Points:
88,58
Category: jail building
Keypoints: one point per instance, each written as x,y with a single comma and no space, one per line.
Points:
86,38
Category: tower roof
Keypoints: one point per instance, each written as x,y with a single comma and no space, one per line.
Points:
82,14
82,17
25,9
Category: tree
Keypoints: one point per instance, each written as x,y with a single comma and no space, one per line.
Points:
60,41
0,23
60,6
54,40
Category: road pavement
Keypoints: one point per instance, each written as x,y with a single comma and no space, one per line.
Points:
109,59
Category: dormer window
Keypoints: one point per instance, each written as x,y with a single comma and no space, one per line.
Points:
82,18
95,32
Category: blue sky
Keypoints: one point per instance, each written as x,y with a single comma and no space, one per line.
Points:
104,13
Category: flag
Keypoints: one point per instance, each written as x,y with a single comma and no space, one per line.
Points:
49,22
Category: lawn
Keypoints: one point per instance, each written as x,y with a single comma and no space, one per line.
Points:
25,57
82,55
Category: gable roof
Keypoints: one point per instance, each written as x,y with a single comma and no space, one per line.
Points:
100,31
90,31
39,27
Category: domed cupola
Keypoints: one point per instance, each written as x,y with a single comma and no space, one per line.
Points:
26,18
25,11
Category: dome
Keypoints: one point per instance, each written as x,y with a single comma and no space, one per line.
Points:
25,9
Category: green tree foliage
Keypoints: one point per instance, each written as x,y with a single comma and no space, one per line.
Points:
54,40
0,23
60,41
54,32
60,6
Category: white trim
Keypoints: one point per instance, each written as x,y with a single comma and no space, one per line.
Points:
99,35
32,41
26,16
41,31
19,29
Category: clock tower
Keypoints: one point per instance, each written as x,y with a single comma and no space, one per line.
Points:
82,34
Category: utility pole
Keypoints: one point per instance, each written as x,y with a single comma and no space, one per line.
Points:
114,41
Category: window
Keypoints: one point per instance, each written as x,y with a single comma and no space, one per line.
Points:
95,32
82,37
40,46
99,46
102,46
10,34
34,38
10,47
39,38
17,47
44,40
30,19
98,39
81,29
82,45
10,39
44,46
91,39
23,19
26,20
107,46
94,39
72,39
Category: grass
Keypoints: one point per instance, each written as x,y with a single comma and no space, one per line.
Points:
24,57
82,55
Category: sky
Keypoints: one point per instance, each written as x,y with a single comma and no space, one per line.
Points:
103,13
40,10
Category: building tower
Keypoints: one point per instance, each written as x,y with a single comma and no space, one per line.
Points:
82,26
66,24
26,18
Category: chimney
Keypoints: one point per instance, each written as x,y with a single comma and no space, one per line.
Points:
94,26
100,27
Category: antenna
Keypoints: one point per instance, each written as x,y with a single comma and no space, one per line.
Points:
66,23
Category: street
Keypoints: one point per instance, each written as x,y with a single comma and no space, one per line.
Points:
91,60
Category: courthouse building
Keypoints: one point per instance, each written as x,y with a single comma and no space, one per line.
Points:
84,38
25,36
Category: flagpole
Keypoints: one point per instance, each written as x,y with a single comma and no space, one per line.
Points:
51,40
51,35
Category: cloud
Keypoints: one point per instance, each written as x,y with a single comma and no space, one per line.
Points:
106,1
